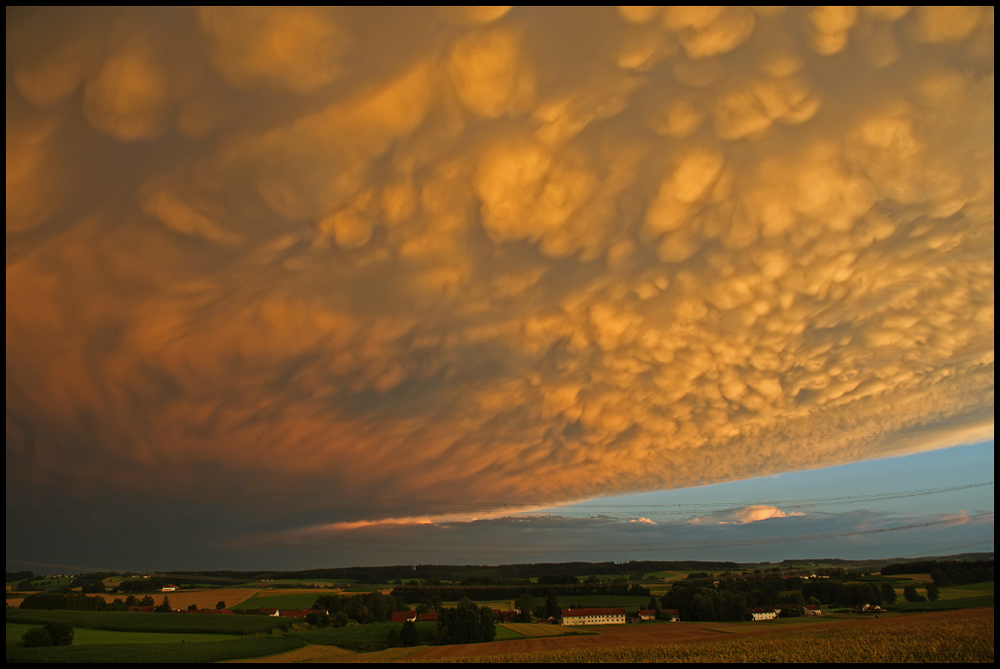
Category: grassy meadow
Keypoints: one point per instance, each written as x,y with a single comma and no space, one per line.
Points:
251,647
87,637
363,638
291,601
174,623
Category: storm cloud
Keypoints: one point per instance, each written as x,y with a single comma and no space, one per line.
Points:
439,259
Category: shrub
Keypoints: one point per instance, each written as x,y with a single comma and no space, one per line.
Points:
36,637
61,633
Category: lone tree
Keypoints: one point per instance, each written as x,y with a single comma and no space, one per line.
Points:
932,592
888,594
409,636
221,605
36,637
910,594
524,604
165,606
552,608
53,634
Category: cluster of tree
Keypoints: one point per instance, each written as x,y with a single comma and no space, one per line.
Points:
945,573
412,594
132,600
732,598
365,607
72,601
827,591
765,590
456,573
141,585
53,634
91,579
910,593
467,623
528,610
408,636
19,576
63,601
707,604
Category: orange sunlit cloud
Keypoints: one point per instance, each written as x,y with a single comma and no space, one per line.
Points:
524,256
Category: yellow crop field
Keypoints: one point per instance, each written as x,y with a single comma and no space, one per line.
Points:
958,636
203,599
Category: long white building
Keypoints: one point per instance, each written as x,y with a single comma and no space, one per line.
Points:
612,616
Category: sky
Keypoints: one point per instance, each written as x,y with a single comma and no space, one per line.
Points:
301,287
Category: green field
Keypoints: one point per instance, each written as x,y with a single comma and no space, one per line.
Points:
985,585
667,575
944,604
503,634
151,622
45,584
363,638
86,637
294,601
322,582
158,652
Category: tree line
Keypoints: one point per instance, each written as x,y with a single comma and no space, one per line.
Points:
946,573
487,589
364,607
632,570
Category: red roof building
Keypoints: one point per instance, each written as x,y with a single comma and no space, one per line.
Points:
299,614
609,616
403,616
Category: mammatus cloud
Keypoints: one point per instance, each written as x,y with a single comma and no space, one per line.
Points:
526,256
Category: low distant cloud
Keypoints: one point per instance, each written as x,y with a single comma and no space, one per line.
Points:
551,537
749,514
474,257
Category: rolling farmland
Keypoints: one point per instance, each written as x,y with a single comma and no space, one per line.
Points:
962,636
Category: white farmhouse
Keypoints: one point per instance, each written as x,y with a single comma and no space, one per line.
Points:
612,616
764,613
